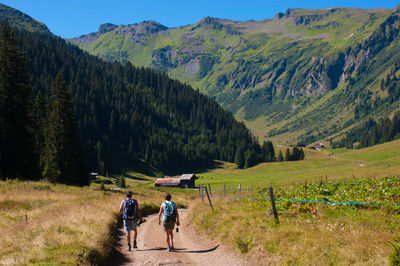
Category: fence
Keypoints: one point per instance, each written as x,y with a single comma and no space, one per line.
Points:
272,198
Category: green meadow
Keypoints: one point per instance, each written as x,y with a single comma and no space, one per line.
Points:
377,161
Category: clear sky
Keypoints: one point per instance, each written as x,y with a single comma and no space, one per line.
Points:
73,18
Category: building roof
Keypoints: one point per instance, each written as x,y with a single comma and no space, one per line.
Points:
166,181
187,176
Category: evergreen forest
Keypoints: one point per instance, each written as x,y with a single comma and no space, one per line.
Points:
117,115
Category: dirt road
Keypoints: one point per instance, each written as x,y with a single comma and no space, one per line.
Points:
190,248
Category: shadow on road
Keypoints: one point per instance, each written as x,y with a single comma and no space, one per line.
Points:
183,250
180,250
151,249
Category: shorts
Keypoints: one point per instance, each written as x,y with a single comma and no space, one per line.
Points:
168,225
130,225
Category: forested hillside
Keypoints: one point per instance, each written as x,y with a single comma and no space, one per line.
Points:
302,76
126,113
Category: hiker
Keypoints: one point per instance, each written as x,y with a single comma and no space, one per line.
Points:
130,215
170,216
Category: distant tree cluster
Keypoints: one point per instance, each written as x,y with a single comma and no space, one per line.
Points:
265,153
372,133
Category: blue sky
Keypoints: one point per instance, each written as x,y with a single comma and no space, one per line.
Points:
72,18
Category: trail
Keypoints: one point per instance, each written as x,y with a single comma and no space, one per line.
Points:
190,248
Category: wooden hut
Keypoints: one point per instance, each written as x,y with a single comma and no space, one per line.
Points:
185,181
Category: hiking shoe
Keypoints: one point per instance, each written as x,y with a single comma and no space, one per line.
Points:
129,247
169,249
134,244
172,247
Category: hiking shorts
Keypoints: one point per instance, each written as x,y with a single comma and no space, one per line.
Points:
130,225
168,225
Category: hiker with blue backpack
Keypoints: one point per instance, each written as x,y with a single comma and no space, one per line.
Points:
170,216
131,217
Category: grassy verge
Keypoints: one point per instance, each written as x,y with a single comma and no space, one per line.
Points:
45,224
310,233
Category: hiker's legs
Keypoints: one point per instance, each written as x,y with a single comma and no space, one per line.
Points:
128,237
171,238
167,237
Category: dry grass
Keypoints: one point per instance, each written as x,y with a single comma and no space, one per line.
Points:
333,237
65,225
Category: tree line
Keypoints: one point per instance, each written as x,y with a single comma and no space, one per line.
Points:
371,133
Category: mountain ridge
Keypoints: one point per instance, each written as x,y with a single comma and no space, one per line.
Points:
265,72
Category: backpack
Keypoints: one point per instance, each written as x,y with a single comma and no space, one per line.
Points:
169,211
130,209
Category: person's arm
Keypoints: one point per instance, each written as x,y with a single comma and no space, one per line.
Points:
160,214
121,208
177,217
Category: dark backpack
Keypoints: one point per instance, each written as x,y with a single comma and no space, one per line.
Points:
169,211
131,209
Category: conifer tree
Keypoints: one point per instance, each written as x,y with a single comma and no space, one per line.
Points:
63,158
239,157
288,155
17,157
280,157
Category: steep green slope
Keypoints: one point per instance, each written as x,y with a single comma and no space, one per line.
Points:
288,77
19,19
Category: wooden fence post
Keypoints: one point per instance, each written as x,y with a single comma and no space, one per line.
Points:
271,194
224,190
26,218
202,195
209,188
199,192
240,190
208,196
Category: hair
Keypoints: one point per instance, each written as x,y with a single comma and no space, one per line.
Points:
167,196
129,194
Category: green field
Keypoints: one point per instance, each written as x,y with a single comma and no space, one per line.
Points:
377,161
310,233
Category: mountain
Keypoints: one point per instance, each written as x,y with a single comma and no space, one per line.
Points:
127,115
302,76
21,20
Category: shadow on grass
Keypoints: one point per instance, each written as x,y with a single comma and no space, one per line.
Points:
116,257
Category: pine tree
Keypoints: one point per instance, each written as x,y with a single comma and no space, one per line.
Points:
288,156
63,158
17,157
239,157
280,157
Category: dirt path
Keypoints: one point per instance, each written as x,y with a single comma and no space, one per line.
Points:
190,248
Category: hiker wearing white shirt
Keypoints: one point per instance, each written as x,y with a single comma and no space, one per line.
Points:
170,217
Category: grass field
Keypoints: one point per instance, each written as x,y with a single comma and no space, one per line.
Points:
380,160
41,223
311,233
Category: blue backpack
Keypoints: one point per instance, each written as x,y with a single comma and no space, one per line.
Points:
169,211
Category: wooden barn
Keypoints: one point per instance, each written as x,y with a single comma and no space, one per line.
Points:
185,181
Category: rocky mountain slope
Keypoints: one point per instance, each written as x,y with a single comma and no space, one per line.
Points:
304,75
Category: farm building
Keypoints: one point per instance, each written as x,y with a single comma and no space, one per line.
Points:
185,181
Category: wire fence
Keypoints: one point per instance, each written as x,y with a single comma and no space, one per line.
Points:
285,199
